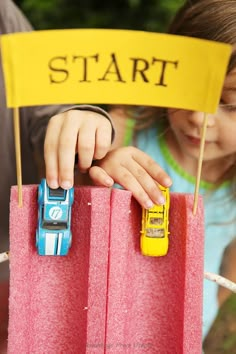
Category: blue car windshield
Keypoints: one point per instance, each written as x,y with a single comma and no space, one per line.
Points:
55,225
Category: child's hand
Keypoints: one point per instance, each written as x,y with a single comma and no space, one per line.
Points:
75,131
135,171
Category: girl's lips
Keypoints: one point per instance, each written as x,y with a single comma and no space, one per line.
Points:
194,140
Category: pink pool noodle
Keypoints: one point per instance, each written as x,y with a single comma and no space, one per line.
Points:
155,304
90,302
58,304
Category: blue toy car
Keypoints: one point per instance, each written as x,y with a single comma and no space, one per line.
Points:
53,234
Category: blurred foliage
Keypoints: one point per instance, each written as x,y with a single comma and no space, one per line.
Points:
150,15
222,336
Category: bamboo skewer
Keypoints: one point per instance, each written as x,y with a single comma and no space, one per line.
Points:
199,167
226,283
4,257
16,118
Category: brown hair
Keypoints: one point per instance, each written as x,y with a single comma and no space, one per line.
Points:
207,19
213,20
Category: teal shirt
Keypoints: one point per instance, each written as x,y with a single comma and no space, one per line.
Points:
219,207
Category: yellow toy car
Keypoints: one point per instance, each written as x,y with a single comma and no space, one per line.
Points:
154,239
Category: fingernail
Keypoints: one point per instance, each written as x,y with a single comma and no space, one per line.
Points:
109,181
149,204
161,200
54,184
66,184
168,181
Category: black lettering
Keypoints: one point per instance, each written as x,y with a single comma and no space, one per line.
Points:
63,74
141,71
85,65
164,64
116,70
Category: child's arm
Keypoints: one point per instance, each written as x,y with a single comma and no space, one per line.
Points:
135,171
86,132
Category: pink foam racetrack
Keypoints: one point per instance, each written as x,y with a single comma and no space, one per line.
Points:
105,297
155,304
58,304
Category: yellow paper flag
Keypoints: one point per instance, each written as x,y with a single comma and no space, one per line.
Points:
113,67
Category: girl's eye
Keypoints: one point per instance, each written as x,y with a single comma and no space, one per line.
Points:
228,107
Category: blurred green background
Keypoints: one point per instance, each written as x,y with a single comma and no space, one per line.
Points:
150,15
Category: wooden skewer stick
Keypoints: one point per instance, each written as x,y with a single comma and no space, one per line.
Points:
4,257
16,117
199,167
226,283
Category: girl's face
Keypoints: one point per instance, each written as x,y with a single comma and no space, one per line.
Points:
221,129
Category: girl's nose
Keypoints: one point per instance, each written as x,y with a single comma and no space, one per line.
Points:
197,118
211,120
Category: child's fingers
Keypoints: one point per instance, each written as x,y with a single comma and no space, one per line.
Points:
137,172
129,181
143,187
144,183
87,132
100,177
67,142
142,166
103,139
50,151
152,168
85,146
94,141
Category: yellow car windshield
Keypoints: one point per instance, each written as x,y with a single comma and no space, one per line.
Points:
155,233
